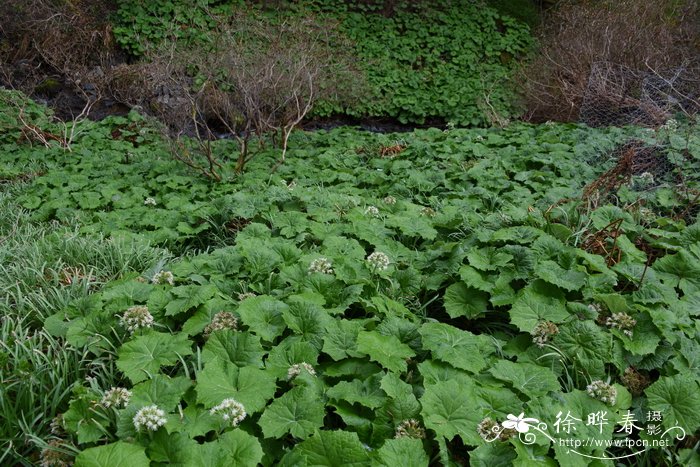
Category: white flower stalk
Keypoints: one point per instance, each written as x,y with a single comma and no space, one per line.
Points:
623,322
543,333
163,277
410,429
390,200
322,265
295,370
602,391
427,212
222,320
378,260
136,317
372,211
149,417
246,295
230,410
149,202
116,397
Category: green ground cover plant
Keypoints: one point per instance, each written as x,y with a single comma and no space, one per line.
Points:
376,300
426,60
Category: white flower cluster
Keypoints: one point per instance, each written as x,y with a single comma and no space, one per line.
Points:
543,332
149,417
149,202
163,277
372,211
595,308
290,186
390,200
671,126
410,429
602,391
230,410
427,212
116,397
136,317
245,295
295,370
221,320
623,322
378,260
322,265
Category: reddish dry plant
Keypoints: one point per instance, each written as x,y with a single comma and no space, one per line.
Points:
391,151
604,242
637,35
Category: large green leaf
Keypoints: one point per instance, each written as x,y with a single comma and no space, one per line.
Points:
462,300
532,380
532,306
460,349
449,410
678,399
567,279
329,448
385,350
238,347
221,379
298,412
143,356
406,452
119,454
263,315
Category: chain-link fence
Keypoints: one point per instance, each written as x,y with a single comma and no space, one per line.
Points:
665,157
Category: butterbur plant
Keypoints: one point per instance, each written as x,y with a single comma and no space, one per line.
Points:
602,391
623,322
150,417
163,277
115,397
543,333
135,318
321,265
372,211
230,410
296,369
222,320
378,261
410,428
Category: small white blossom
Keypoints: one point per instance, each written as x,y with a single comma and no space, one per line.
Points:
390,200
671,125
230,410
427,212
410,429
163,277
295,370
290,186
322,265
602,391
149,417
136,317
543,332
245,295
378,260
372,211
116,397
149,202
479,138
221,320
595,308
623,322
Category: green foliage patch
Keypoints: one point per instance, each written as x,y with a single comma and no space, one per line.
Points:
361,309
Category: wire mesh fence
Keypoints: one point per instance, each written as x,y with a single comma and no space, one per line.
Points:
659,171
